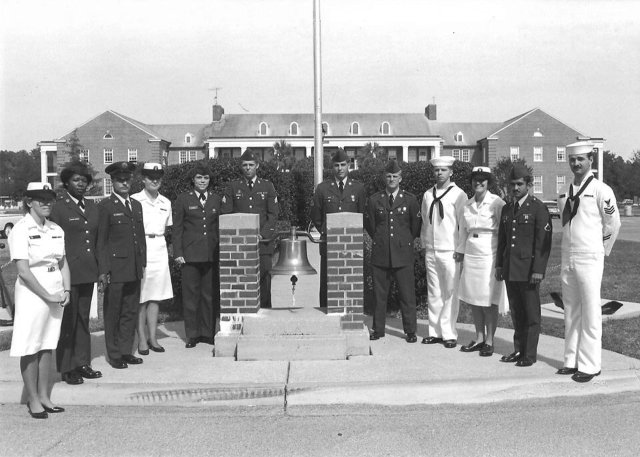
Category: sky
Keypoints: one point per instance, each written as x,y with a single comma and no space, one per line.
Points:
64,62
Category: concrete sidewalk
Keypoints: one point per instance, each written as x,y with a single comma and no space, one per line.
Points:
396,373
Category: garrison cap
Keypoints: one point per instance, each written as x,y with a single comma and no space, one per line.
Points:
152,170
580,147
117,168
392,167
519,170
443,161
248,156
340,156
40,191
76,168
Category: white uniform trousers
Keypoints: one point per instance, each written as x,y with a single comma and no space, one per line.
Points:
443,274
581,277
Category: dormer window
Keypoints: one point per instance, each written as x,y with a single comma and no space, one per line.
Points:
538,133
355,128
187,138
325,128
385,128
263,129
107,136
458,138
293,129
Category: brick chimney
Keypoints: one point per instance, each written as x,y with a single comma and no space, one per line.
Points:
218,112
430,112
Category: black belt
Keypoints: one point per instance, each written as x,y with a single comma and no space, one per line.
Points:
151,235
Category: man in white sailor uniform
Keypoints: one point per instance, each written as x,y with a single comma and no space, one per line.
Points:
590,225
439,236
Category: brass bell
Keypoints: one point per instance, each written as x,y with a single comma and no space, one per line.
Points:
293,258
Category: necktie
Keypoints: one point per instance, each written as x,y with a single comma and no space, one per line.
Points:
516,208
440,206
390,200
250,184
341,187
203,198
81,204
128,205
568,213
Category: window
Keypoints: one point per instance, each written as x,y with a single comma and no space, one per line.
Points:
514,153
351,154
293,129
355,128
187,138
537,154
132,155
538,133
108,156
466,155
393,154
458,138
456,154
108,188
188,156
385,128
561,154
83,155
537,184
422,155
325,128
107,136
263,129
560,181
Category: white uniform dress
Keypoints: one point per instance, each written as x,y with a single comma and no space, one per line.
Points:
36,322
586,239
478,241
156,282
439,237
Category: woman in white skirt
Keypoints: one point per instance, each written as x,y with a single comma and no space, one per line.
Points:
477,247
156,282
42,291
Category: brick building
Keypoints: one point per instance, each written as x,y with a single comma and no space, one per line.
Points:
535,136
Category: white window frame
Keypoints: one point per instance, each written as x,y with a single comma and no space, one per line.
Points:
560,183
385,128
514,153
455,154
538,154
561,154
355,128
465,155
537,185
185,156
83,155
132,155
263,129
294,126
458,137
107,136
423,155
104,155
187,138
107,185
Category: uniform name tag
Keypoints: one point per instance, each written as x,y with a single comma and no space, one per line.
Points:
163,209
194,207
562,196
34,237
56,237
588,195
118,214
71,219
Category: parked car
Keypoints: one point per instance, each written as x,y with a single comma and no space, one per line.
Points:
552,206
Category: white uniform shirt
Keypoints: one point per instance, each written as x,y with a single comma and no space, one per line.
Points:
595,226
156,213
442,234
479,219
42,246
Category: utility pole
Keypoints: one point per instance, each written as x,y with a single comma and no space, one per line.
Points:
317,95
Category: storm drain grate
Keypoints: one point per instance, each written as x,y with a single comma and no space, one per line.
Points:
207,394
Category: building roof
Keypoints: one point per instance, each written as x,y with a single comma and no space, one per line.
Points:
472,132
176,134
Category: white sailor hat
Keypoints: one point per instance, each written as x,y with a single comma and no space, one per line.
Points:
443,161
153,170
40,191
580,147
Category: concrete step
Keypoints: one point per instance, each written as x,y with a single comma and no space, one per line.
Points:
292,347
291,322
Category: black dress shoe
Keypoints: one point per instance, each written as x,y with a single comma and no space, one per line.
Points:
73,378
450,344
87,372
472,347
131,359
525,362
567,370
486,351
411,338
55,409
375,336
157,348
579,376
191,343
513,357
40,415
143,351
118,364
431,340
6,322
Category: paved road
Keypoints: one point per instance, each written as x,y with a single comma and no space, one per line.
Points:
600,425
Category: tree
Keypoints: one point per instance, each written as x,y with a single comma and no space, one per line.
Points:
17,169
74,150
371,153
283,155
501,172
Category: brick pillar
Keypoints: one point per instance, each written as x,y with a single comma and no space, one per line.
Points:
239,263
345,272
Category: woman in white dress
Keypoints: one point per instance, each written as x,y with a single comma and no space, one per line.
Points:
477,248
156,282
42,291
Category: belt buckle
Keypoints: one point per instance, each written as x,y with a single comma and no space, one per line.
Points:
51,268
